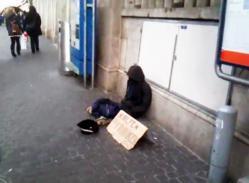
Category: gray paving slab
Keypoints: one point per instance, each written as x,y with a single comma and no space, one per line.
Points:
40,143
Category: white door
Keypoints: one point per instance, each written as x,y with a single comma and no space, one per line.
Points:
156,51
193,73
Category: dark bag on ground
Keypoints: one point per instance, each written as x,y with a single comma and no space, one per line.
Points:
88,126
105,107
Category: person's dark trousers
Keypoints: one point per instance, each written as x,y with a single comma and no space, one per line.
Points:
15,41
34,40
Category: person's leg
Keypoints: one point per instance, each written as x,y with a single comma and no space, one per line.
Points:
12,46
18,46
37,43
32,42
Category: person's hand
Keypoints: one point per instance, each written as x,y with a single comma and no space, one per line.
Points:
89,109
25,34
102,121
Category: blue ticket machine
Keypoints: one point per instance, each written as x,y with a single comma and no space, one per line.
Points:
82,38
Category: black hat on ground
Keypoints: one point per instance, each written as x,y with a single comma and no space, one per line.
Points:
88,126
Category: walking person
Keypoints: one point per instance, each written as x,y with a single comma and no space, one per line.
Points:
14,30
32,25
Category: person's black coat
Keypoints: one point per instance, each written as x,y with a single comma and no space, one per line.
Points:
138,95
32,23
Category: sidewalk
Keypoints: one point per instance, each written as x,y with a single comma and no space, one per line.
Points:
40,142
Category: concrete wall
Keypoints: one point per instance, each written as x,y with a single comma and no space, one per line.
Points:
118,49
118,43
189,123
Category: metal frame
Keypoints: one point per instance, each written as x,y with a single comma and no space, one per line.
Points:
173,61
84,45
218,62
93,6
93,44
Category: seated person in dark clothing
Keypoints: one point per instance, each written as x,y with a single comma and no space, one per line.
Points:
136,101
138,95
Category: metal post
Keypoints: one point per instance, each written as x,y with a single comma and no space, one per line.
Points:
84,45
230,88
93,44
225,127
63,45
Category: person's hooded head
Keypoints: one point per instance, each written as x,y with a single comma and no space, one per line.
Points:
9,12
32,10
135,73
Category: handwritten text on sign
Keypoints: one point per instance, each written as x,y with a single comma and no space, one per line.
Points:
126,130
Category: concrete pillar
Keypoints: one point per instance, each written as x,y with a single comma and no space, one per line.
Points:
151,3
168,4
189,3
159,3
215,3
144,4
202,3
129,3
126,4
138,3
108,55
178,3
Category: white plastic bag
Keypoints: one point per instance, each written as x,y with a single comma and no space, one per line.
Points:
24,42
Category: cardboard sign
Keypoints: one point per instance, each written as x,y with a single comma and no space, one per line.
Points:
126,130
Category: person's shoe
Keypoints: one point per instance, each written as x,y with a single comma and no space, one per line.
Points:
13,54
102,121
19,53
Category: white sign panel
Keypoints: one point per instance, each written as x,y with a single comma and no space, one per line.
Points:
235,48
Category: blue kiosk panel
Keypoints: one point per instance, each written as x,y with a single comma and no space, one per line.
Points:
82,16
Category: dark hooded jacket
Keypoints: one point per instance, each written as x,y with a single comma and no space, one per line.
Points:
13,22
138,95
32,23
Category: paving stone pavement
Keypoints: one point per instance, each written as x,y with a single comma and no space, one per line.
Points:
40,143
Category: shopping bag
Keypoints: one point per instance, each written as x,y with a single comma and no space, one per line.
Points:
24,42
